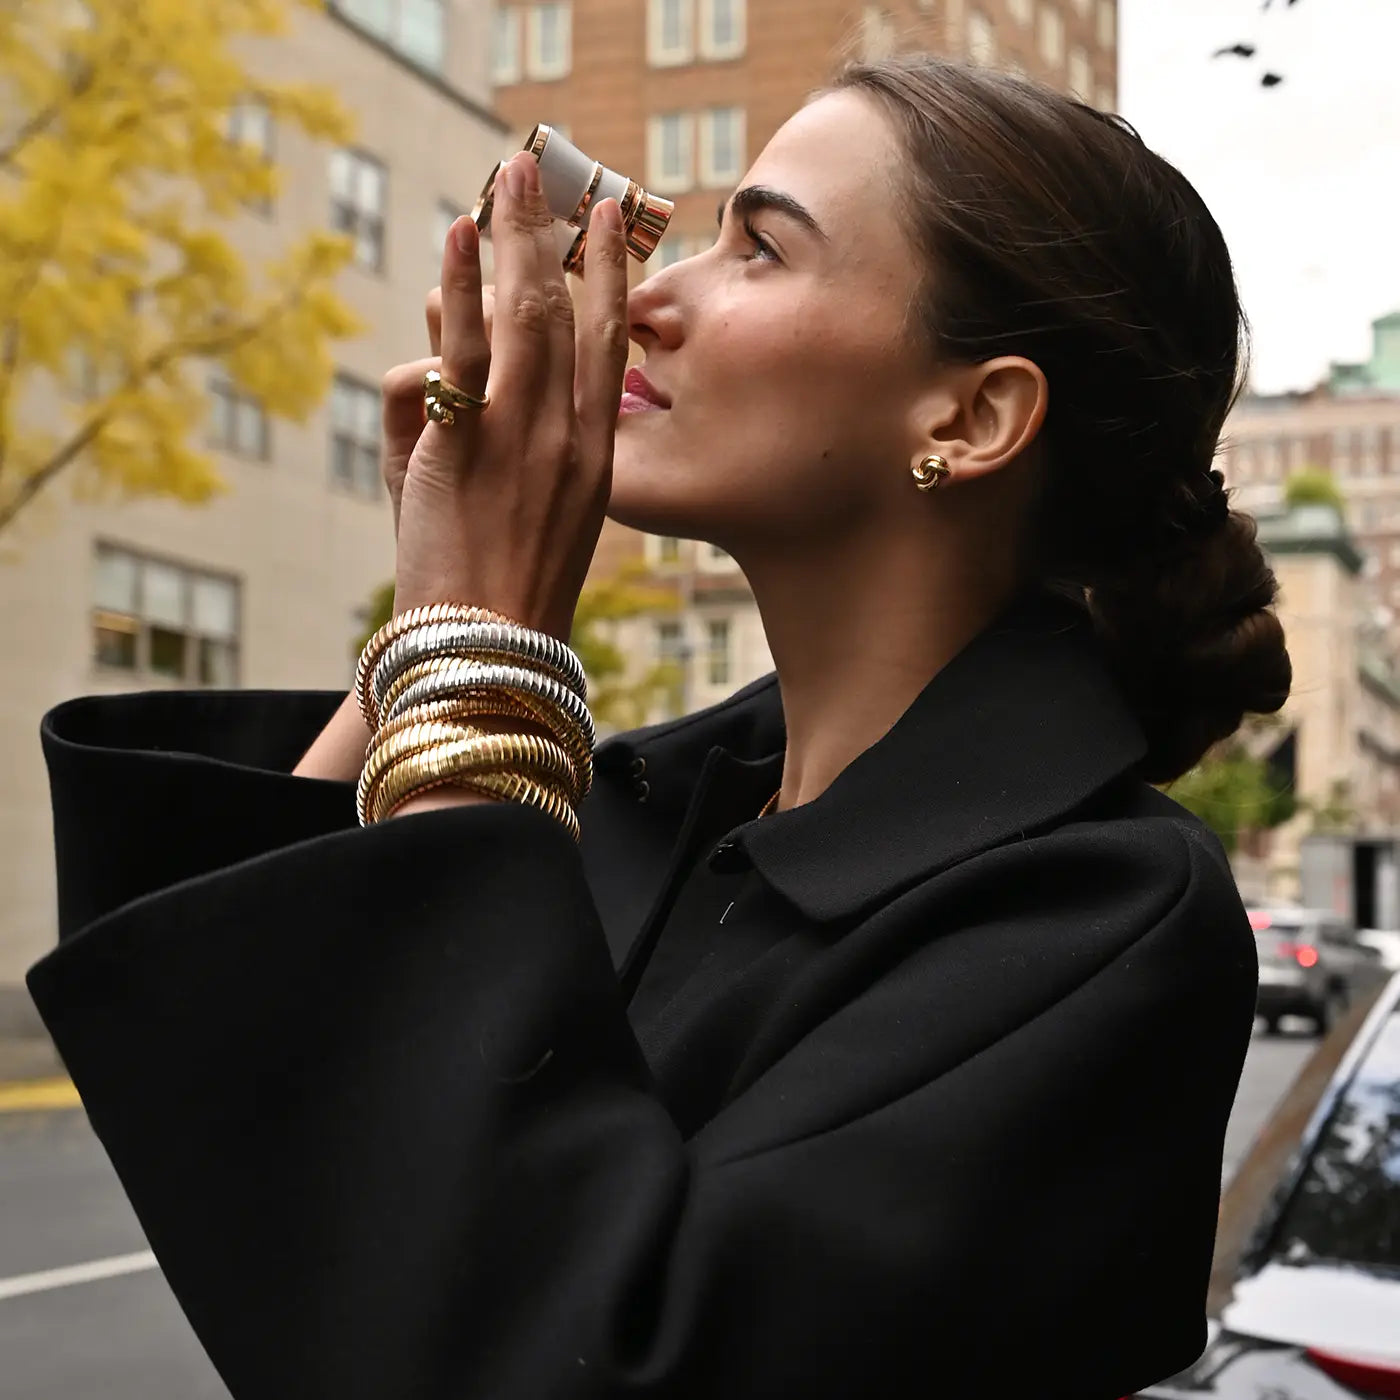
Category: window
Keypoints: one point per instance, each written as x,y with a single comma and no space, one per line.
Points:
1081,73
250,124
981,38
549,52
237,422
162,619
670,152
413,28
670,640
1108,23
711,559
722,142
722,28
670,32
1343,1206
1052,35
673,249
357,204
1022,11
505,45
665,549
355,436
444,216
717,651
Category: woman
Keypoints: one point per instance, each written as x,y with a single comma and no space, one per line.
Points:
919,1080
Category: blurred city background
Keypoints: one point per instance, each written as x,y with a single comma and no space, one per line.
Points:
218,225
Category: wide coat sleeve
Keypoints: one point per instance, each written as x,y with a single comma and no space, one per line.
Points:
375,1098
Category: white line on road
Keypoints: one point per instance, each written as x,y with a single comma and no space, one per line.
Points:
77,1273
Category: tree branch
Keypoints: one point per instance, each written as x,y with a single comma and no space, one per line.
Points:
188,348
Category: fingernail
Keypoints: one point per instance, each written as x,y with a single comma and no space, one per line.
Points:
515,179
609,214
464,234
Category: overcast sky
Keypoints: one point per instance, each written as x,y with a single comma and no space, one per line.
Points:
1304,177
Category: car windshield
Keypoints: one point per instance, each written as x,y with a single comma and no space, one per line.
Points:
1346,1208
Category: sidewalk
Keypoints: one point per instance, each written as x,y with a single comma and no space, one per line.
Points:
32,1076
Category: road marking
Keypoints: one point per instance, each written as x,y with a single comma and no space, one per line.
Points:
32,1094
77,1273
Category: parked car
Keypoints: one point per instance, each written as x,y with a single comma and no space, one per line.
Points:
1386,942
1315,1312
1310,964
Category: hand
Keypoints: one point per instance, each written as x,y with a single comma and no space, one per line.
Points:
504,508
402,398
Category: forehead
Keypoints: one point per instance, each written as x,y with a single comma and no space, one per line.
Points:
838,156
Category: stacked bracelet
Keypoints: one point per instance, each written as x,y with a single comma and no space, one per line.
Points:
426,681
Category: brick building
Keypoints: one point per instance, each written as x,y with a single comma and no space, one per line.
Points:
682,94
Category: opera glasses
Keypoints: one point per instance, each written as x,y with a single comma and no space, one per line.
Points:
573,183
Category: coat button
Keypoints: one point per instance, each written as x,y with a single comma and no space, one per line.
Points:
638,767
643,790
728,858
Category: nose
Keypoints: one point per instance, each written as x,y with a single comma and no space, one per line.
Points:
653,310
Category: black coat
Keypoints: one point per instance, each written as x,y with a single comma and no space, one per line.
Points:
954,1128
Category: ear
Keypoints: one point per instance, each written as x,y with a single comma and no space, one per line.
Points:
982,417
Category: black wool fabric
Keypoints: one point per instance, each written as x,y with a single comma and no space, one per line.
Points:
919,1087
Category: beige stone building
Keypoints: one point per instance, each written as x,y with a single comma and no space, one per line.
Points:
1338,738
264,587
682,94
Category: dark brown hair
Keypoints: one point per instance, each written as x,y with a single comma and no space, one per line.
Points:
1053,232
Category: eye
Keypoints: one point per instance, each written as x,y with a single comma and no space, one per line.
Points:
763,250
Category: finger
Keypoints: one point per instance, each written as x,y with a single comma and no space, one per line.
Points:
401,396
466,352
602,332
433,312
522,336
434,315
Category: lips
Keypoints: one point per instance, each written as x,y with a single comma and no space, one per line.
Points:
637,387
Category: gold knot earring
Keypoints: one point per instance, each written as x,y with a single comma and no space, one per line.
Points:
931,471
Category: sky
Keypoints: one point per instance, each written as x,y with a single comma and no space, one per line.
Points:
1304,178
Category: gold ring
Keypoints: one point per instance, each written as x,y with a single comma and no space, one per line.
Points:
441,399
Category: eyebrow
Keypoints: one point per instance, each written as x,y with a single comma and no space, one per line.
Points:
754,198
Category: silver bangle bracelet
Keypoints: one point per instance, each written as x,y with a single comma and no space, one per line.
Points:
465,672
536,649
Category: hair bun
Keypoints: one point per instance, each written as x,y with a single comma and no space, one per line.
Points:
1195,643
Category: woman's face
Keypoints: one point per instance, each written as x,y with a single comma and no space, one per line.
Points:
783,351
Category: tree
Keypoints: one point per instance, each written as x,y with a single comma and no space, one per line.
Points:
1314,486
1233,792
120,290
615,701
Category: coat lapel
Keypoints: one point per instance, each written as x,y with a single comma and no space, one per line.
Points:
1021,728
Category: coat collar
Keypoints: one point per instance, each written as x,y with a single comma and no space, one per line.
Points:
1019,729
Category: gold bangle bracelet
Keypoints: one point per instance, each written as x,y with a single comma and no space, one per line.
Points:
424,772
509,703
406,622
386,750
536,757
443,723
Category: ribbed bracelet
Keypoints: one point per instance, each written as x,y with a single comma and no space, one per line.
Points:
396,627
424,772
478,641
471,702
467,752
459,675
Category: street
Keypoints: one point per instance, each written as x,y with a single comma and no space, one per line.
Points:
67,1332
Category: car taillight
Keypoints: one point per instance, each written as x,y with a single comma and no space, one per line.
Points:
1304,953
1368,1377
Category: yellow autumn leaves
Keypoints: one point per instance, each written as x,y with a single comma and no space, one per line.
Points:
122,180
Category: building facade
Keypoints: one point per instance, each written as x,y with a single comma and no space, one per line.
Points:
265,586
1349,426
682,95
